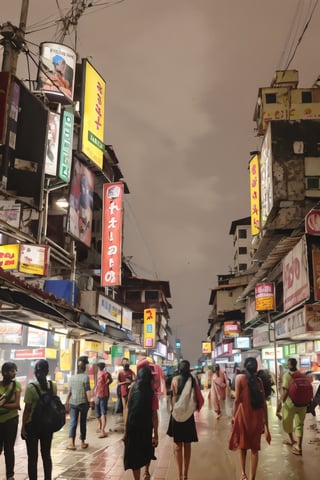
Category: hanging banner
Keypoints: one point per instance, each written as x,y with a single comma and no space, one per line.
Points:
92,114
111,234
149,327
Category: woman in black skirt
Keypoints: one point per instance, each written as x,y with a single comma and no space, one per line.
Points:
183,433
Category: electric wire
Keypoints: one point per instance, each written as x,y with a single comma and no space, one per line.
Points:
302,35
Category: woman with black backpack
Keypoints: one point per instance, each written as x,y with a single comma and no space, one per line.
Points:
29,430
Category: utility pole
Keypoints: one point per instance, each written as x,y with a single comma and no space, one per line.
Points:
13,40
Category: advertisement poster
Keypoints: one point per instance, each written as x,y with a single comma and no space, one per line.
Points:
296,286
265,297
52,144
9,256
81,203
56,71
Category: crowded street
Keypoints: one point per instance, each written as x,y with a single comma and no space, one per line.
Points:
210,457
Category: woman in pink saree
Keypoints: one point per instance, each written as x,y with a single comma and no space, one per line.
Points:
218,390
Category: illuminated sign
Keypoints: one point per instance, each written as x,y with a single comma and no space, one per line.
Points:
206,347
149,327
66,139
265,298
92,115
254,195
111,234
56,71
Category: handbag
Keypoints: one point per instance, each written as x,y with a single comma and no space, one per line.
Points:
199,397
186,404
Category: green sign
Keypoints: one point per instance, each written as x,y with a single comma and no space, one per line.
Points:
66,140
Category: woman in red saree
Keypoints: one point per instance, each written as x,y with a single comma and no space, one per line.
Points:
250,418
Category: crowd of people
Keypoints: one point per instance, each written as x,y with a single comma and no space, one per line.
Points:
139,391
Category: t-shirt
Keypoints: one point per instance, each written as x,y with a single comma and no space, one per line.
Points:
102,387
122,377
31,395
5,413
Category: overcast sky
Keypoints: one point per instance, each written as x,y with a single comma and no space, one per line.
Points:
182,81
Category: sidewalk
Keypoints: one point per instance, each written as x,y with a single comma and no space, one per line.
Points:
210,458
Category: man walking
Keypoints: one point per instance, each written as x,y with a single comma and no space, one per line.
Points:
292,416
104,379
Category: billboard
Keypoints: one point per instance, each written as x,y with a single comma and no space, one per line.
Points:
34,259
149,327
112,234
92,114
265,297
9,256
81,203
56,72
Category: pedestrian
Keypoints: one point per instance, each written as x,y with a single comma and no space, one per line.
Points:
125,377
250,417
218,390
29,432
141,422
10,392
292,416
183,433
77,403
102,394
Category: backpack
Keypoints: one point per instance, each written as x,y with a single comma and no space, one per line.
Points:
49,414
300,389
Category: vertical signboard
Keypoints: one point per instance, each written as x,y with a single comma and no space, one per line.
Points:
56,71
92,114
149,327
66,140
51,161
266,180
81,203
296,286
254,194
111,234
316,273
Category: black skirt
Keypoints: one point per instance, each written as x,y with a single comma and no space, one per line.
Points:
184,432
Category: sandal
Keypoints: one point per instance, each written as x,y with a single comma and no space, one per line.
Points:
71,447
243,477
296,450
287,442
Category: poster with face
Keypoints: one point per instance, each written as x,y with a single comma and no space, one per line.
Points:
81,203
56,71
52,144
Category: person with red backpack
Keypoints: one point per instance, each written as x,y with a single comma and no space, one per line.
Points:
296,395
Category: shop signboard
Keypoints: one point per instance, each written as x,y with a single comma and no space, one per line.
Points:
206,347
10,332
109,309
10,212
28,354
312,222
92,114
37,337
269,353
34,259
66,142
149,327
127,318
266,179
9,256
265,297
312,314
296,286
231,329
111,253
255,194
316,273
260,336
289,350
242,343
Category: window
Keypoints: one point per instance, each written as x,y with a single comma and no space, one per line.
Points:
271,98
133,295
242,266
243,250
242,233
306,97
312,183
151,295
